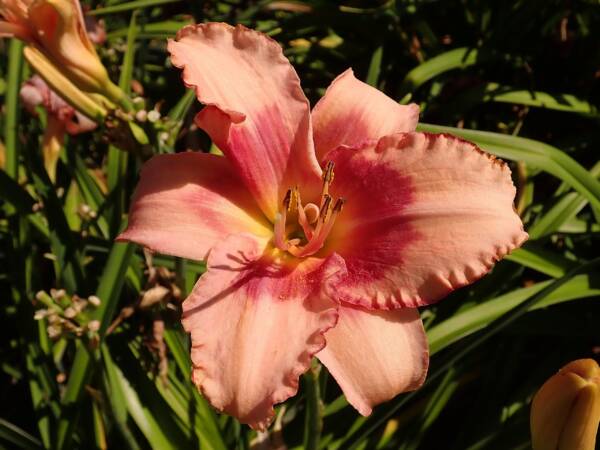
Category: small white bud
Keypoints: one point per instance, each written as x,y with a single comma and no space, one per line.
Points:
93,325
57,294
153,116
40,314
95,301
53,331
141,115
70,312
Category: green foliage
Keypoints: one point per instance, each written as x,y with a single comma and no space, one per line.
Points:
518,78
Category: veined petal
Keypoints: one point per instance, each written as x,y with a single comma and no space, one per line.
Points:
376,355
256,111
187,202
352,112
256,320
425,214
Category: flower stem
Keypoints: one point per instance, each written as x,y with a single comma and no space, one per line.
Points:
11,141
313,422
180,266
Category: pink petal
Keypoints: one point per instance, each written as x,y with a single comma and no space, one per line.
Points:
96,30
257,113
256,321
79,123
376,355
352,112
35,92
425,214
187,202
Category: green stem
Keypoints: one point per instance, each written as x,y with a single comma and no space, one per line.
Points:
313,423
15,69
116,95
180,266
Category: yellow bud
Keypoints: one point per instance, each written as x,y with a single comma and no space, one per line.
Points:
565,412
57,28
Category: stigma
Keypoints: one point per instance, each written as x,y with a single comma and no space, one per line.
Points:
314,222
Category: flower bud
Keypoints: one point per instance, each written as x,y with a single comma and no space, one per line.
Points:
93,326
61,84
57,29
565,412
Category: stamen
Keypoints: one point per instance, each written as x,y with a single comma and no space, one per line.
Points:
279,231
321,233
325,208
328,173
280,218
323,217
339,205
287,200
327,179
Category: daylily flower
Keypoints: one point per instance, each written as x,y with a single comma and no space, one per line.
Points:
324,230
565,412
62,118
57,28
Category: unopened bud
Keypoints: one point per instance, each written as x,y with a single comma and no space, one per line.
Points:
70,312
565,412
53,331
141,115
40,314
57,294
153,116
94,301
153,296
93,325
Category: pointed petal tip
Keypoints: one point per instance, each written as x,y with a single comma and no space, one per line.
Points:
371,113
376,355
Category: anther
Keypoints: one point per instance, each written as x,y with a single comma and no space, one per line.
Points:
327,179
339,205
328,173
287,199
325,207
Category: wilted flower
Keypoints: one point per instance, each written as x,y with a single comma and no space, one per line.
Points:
65,314
302,260
96,30
565,412
62,118
57,28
